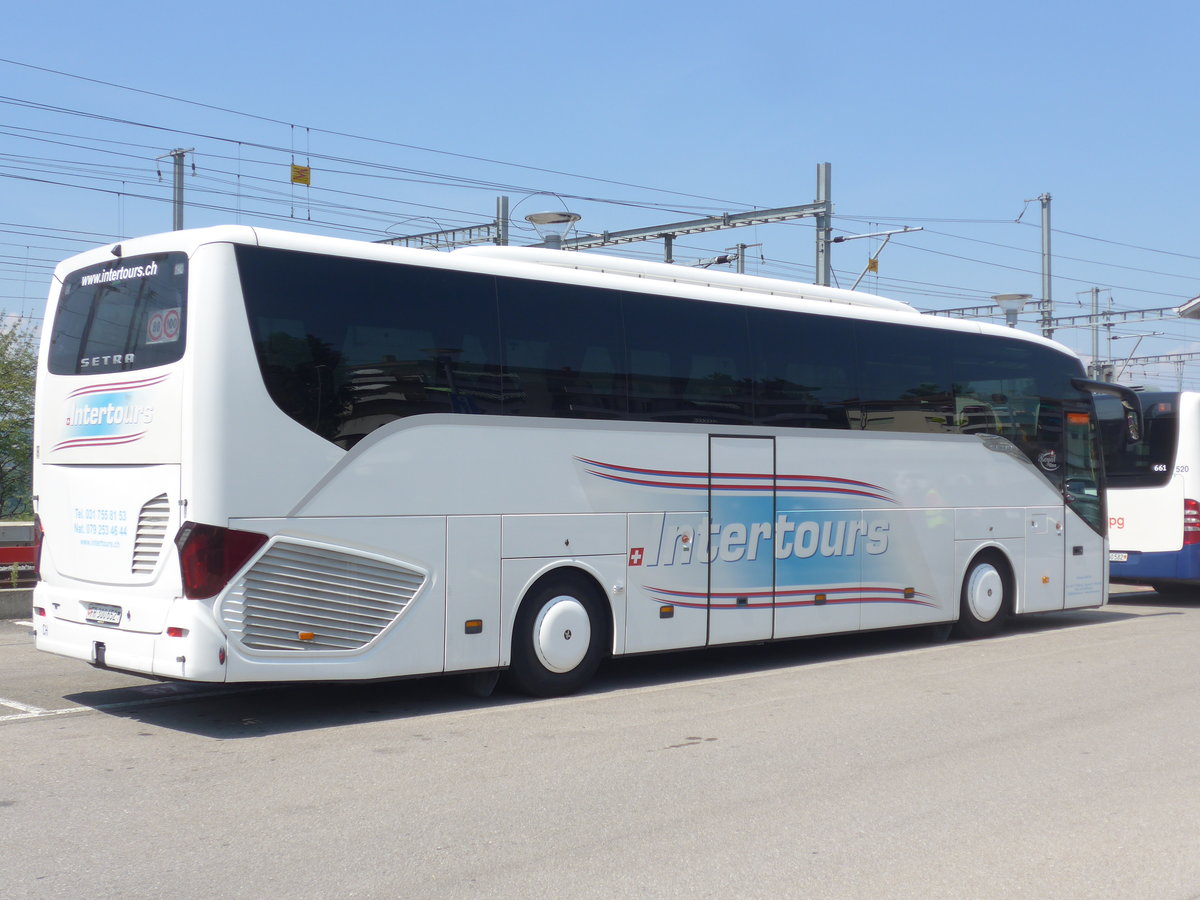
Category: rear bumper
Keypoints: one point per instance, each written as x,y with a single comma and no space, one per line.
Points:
1147,568
199,655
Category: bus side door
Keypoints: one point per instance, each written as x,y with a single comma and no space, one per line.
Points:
741,595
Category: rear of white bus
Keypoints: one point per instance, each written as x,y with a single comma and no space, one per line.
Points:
163,468
108,442
1154,495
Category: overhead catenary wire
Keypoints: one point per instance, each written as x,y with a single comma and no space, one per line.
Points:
1057,256
273,120
383,171
492,185
343,134
243,182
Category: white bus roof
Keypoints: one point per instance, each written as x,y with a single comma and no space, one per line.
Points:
684,275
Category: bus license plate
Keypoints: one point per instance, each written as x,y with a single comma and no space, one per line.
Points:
103,615
1116,556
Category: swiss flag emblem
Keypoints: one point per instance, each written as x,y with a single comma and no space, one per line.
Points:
636,555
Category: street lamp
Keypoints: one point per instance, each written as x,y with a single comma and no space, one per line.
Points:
1012,304
552,227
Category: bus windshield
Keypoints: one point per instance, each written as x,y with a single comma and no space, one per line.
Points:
1150,461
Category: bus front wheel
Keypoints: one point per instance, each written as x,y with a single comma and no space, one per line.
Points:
986,597
558,638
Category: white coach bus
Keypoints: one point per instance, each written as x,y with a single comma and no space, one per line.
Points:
1154,493
271,456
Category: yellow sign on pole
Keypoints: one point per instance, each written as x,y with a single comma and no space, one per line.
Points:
872,263
301,175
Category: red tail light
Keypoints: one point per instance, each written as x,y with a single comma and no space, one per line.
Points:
209,556
1191,522
38,535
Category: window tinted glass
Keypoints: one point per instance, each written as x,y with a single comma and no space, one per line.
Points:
349,345
125,315
803,369
689,361
565,347
346,346
1015,389
995,386
904,379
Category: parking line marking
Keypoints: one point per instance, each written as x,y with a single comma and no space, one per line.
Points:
23,707
24,711
36,713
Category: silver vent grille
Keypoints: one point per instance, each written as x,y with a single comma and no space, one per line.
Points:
151,533
302,597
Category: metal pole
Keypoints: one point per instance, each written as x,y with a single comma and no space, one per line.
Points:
1095,366
1108,336
824,271
502,221
177,156
1047,298
668,248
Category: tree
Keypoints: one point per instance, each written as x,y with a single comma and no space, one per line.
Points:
18,366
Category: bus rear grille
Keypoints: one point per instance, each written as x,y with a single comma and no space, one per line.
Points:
299,597
151,533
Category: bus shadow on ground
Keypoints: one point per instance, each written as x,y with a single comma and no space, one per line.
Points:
234,712
1144,599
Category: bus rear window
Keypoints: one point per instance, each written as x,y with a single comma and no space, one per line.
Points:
125,315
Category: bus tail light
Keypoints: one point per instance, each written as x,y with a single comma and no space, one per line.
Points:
1191,522
209,556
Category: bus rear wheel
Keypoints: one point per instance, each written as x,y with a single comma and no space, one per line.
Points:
986,597
558,638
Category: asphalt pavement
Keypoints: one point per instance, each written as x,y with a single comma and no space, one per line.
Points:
1056,760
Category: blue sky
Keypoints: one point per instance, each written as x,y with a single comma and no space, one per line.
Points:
947,116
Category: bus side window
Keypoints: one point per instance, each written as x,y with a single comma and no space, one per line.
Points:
905,382
650,383
715,392
528,389
682,353
596,392
802,373
561,343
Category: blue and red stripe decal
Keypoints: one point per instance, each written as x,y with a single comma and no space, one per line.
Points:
103,441
110,387
745,483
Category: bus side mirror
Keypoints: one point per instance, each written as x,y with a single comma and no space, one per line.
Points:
1130,402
